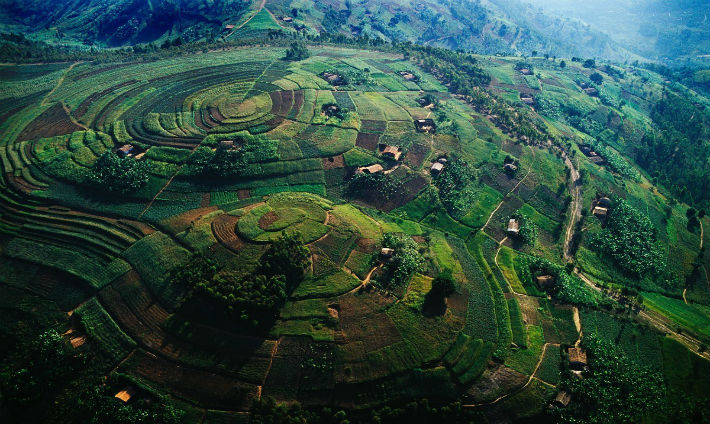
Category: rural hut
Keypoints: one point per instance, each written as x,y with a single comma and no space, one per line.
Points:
510,168
392,152
386,252
591,91
577,358
527,99
526,71
425,125
562,399
408,75
226,144
436,168
125,150
443,160
604,202
372,169
287,19
545,281
126,394
600,212
513,227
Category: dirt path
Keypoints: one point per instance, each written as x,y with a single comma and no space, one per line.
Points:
365,282
59,82
577,325
507,194
268,369
575,208
659,324
684,299
71,117
519,389
235,29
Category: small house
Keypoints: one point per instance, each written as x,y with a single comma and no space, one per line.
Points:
372,169
392,152
510,168
226,144
436,168
604,202
513,227
425,125
229,26
600,212
386,252
545,281
333,78
140,156
408,76
126,394
287,19
577,358
591,91
596,159
585,149
526,71
527,99
442,160
125,150
562,399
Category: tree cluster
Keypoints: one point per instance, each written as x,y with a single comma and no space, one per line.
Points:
456,185
297,51
119,174
406,261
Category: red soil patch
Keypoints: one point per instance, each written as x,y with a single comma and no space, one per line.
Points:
367,141
373,126
206,197
84,106
215,114
334,162
53,121
366,245
243,194
416,154
419,239
179,223
224,230
267,219
363,320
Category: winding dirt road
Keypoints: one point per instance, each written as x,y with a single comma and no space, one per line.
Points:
575,208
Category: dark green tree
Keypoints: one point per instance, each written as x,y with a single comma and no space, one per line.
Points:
119,174
287,256
596,78
297,51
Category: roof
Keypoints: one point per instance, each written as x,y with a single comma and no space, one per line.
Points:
525,71
513,225
438,167
125,394
577,355
563,398
510,166
386,251
604,202
442,160
230,26
600,211
372,169
545,279
125,149
393,151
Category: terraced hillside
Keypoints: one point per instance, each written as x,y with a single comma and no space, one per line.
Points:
238,148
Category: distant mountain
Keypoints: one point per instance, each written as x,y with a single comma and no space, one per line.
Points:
118,22
609,29
656,29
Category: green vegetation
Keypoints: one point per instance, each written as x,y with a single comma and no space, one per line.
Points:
404,262
121,174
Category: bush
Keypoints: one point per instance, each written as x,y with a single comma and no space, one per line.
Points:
297,51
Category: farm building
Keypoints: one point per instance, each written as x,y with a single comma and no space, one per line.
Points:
591,91
229,26
287,19
226,144
510,167
526,71
392,152
333,78
408,76
436,168
596,159
513,227
604,202
600,212
372,169
386,252
527,99
425,125
140,156
562,399
577,358
125,150
545,281
126,394
442,160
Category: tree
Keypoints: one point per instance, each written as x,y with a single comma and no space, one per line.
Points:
120,174
596,78
443,285
563,64
405,261
289,257
297,51
589,63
